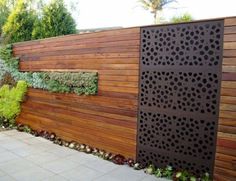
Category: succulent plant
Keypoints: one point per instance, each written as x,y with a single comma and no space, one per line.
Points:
88,149
43,134
150,169
52,136
168,172
72,144
82,147
20,127
119,159
58,141
27,129
138,166
77,146
65,143
181,175
5,124
193,178
95,151
107,156
32,132
159,172
205,177
111,157
101,152
130,162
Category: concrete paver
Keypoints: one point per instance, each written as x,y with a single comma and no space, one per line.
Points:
25,157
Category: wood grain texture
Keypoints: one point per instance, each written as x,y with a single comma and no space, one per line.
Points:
108,120
225,164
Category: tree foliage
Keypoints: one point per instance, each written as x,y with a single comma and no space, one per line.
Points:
155,6
23,20
5,9
19,25
186,17
56,20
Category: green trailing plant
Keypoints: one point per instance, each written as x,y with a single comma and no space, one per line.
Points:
61,82
10,99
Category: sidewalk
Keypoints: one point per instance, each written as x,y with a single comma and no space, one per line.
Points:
27,158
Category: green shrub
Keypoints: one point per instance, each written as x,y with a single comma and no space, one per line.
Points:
56,20
186,17
19,25
10,100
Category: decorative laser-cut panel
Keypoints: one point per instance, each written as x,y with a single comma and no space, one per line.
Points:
180,75
183,91
195,44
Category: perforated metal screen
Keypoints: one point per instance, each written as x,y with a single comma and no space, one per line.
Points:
180,75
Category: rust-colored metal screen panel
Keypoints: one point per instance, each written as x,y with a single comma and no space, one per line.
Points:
180,75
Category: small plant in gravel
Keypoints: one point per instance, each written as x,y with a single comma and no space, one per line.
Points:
159,172
130,162
27,129
205,177
150,169
119,159
168,172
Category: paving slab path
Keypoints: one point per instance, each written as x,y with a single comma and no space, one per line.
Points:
24,157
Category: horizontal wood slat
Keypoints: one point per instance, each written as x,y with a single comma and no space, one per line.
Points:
230,38
231,21
108,120
225,164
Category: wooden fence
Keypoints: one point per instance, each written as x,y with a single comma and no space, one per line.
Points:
109,120
225,164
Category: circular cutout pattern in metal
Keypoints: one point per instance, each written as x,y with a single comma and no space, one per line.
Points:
182,91
180,75
182,45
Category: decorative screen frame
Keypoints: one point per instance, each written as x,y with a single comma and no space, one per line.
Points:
179,95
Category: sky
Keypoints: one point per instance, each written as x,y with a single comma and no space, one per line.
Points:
127,13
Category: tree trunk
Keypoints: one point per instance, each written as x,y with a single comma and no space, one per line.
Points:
155,17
